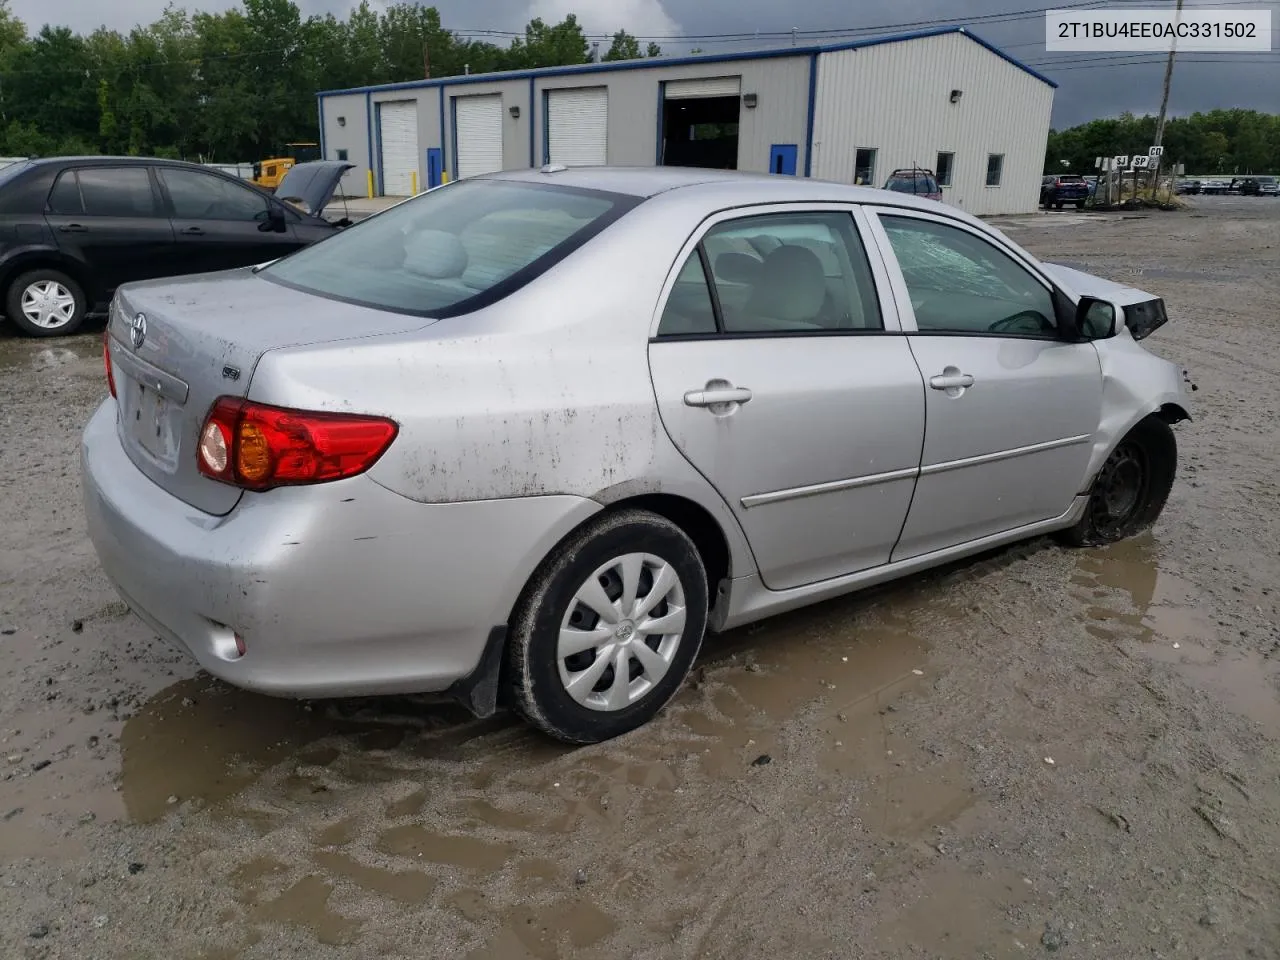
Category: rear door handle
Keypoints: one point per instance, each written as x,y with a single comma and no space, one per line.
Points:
74,228
192,232
709,398
951,381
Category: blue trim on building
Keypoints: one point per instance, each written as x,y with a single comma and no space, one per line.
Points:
368,120
813,102
662,100
533,115
546,127
1004,56
650,64
320,119
379,187
443,153
453,128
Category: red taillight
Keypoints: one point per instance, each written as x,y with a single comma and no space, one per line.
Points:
106,359
258,447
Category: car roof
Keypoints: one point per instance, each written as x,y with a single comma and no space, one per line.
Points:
98,160
720,188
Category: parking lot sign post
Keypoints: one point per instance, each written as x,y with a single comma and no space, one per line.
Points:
1153,159
1139,163
1121,163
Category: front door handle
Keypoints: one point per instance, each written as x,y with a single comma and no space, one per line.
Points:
951,381
74,228
716,396
192,232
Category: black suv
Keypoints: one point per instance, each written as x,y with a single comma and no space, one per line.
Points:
72,229
1067,188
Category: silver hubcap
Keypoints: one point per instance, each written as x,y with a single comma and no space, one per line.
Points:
621,632
48,304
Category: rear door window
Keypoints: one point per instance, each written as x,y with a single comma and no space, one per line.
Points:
117,192
802,272
452,250
65,198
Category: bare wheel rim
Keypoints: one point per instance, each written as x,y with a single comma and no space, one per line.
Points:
1121,488
621,632
48,304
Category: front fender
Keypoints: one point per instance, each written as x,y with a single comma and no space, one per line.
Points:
1135,385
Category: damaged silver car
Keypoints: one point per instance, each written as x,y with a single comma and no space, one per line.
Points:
526,438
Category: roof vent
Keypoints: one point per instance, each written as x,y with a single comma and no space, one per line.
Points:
554,168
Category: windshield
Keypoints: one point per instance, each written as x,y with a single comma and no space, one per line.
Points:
454,249
917,184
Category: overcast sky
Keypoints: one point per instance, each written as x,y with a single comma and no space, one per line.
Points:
1087,89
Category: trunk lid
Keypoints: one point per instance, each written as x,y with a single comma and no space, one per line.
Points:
177,345
312,185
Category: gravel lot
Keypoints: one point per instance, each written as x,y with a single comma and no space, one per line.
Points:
1043,751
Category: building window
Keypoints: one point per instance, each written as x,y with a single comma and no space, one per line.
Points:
342,155
864,167
946,162
995,167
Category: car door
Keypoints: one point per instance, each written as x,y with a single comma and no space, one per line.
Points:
781,375
218,222
111,219
1011,407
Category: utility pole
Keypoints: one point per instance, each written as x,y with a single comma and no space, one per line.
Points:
1164,100
426,61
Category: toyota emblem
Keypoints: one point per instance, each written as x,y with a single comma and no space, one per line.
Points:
138,330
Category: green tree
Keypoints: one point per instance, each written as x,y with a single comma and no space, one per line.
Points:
624,47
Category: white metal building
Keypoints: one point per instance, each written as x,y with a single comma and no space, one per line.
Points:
942,99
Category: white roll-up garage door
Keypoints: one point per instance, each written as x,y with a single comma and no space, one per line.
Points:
398,129
709,87
578,126
478,122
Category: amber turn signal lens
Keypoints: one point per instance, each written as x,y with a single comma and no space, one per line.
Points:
253,454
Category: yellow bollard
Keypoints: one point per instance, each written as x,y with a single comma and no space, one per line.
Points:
370,184
444,177
413,180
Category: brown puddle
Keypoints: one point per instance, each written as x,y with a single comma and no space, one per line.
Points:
1169,629
547,933
201,739
952,917
18,353
306,904
463,809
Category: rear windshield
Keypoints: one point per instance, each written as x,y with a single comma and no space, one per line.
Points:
454,249
916,184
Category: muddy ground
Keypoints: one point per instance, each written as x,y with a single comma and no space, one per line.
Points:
1042,751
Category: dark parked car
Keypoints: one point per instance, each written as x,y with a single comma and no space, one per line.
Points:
916,181
1256,186
1062,189
72,229
1192,187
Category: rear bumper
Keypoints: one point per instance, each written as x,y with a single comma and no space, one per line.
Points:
338,589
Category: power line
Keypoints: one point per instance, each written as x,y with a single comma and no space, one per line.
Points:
1011,15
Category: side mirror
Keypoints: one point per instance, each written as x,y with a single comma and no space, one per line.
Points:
271,220
1094,319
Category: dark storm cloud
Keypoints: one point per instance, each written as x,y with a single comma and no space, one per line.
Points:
1086,89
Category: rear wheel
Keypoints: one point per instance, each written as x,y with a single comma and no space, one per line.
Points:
1057,205
45,303
1132,487
608,628
1079,204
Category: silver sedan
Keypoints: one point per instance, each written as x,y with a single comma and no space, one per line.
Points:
525,438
